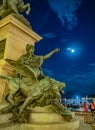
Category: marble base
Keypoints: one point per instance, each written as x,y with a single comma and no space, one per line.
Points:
41,119
74,125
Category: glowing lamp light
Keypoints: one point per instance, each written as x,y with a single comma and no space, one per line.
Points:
77,97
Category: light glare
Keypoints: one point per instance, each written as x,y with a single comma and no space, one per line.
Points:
72,50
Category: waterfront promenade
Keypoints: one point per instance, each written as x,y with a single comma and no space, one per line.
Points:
86,120
85,117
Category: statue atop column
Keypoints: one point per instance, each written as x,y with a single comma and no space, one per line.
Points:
15,7
28,87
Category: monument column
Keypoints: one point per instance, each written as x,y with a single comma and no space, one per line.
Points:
14,36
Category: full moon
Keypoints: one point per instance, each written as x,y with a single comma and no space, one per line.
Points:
72,50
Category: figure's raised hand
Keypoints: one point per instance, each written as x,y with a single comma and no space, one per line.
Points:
51,53
57,50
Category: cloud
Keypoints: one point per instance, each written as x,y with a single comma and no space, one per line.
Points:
66,11
81,82
64,40
91,67
48,35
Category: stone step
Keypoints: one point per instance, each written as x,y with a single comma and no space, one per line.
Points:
42,118
74,125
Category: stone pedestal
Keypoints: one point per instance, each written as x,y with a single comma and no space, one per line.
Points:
42,118
14,35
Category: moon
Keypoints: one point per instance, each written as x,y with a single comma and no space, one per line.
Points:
72,50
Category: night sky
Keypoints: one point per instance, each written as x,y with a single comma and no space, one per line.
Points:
67,24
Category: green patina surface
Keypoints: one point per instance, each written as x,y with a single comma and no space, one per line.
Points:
29,86
15,7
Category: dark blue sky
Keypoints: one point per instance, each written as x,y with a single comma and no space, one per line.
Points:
67,24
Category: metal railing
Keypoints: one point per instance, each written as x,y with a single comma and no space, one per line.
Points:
87,116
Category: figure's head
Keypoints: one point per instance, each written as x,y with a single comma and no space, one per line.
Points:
29,48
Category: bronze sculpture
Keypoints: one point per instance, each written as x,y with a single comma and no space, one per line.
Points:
13,6
35,61
32,87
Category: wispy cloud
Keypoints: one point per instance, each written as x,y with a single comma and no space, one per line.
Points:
66,11
48,35
63,40
83,81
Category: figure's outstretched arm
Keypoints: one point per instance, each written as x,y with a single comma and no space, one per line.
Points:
51,53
